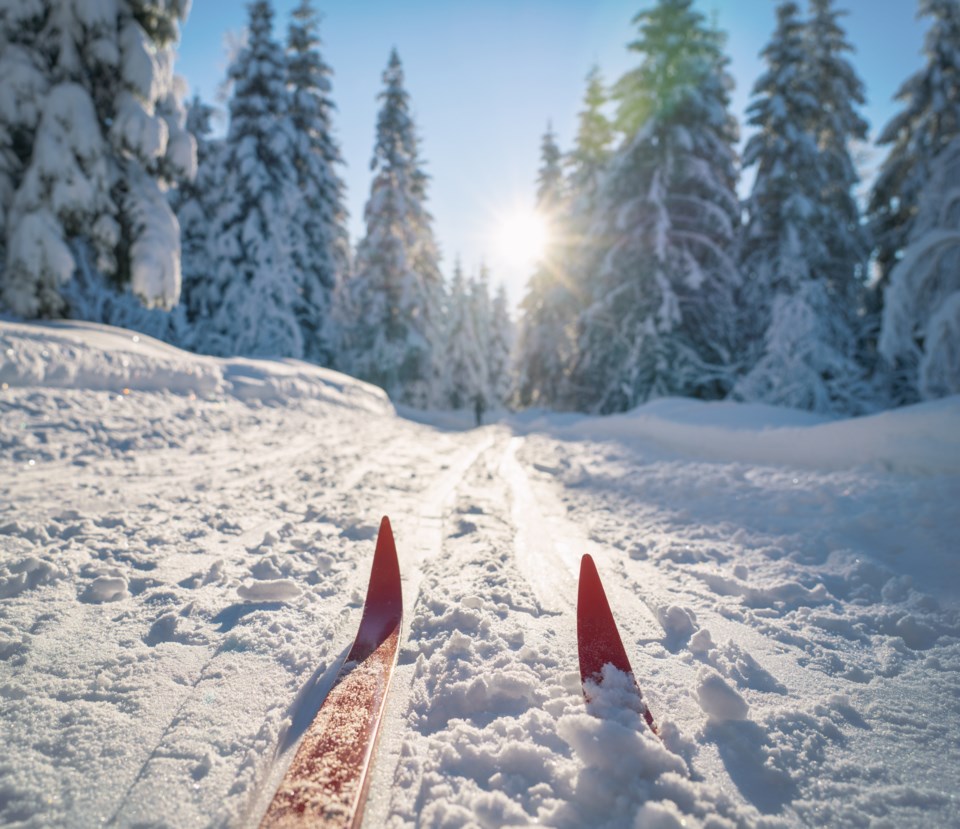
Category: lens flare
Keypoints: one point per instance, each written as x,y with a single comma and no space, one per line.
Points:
521,237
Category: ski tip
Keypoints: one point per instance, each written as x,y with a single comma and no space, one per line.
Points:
385,572
383,608
588,567
598,640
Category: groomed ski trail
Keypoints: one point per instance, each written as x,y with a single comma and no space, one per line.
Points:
487,724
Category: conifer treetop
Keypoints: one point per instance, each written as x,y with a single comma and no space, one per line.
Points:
928,121
550,175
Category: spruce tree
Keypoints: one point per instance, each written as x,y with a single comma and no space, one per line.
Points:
661,319
322,251
543,345
780,244
464,360
500,348
550,183
927,123
481,310
194,206
395,297
248,304
802,247
836,125
91,134
589,158
920,338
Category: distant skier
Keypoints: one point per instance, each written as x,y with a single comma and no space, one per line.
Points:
479,406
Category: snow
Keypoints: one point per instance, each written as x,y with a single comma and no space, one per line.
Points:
185,544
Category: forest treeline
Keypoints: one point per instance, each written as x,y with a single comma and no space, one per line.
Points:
117,205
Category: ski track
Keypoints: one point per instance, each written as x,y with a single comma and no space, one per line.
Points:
205,564
487,720
178,520
817,684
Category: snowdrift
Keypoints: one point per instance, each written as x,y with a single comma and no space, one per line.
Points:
921,439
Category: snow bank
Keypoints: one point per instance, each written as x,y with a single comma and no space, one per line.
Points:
83,355
922,439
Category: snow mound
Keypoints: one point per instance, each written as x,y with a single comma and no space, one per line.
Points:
922,439
82,355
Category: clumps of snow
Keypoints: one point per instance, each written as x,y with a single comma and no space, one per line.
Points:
679,623
614,697
106,589
701,643
719,701
663,815
616,754
270,590
26,574
780,594
626,775
916,634
164,629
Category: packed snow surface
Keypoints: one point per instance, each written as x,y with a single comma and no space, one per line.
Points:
185,544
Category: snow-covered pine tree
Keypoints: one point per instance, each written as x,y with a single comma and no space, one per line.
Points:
91,134
466,371
500,348
481,310
779,242
550,181
662,318
194,204
920,337
92,296
543,343
395,297
583,243
801,245
928,122
248,304
590,156
836,125
322,253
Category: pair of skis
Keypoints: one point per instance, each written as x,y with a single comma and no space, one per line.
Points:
326,784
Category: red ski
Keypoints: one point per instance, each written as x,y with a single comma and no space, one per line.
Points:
326,784
598,640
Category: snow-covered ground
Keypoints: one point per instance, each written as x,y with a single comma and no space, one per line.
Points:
185,544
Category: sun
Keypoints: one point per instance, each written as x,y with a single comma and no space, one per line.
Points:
520,237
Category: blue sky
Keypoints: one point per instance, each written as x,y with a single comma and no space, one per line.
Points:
486,77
